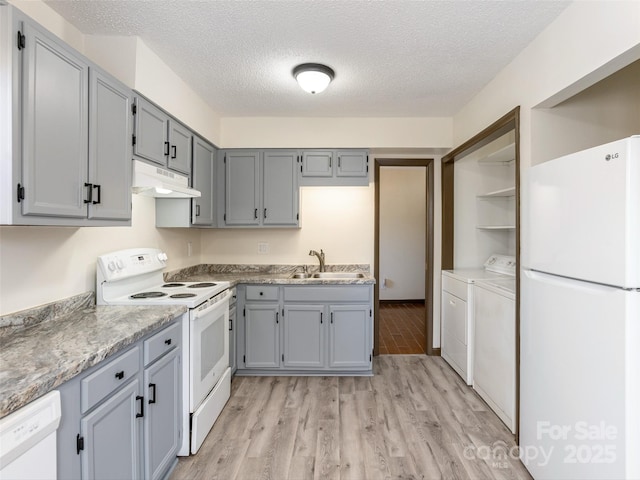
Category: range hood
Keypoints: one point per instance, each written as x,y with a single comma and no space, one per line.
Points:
160,183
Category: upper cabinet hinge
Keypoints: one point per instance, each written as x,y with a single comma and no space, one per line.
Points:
134,108
244,312
79,443
20,193
21,41
369,357
370,313
297,216
133,140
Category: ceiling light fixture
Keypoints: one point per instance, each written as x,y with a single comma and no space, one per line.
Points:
313,77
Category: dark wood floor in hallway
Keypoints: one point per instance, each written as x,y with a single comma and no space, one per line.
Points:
402,328
414,419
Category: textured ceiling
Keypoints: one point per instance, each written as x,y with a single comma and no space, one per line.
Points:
391,57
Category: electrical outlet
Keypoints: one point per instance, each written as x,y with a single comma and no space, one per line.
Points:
263,248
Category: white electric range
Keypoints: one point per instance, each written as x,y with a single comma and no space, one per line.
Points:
134,277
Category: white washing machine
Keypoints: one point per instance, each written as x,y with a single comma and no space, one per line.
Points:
457,317
494,374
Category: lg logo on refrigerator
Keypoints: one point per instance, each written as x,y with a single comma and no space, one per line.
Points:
611,156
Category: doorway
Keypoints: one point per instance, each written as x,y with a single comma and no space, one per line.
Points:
404,289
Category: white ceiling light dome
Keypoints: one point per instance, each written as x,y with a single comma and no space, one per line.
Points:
313,77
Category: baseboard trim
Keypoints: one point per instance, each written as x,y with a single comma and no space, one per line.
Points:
392,302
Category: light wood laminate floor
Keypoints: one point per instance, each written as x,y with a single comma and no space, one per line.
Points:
415,418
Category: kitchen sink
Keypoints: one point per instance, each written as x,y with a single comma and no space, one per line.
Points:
301,275
330,275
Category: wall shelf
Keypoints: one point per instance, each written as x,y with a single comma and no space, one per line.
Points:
504,156
505,192
496,227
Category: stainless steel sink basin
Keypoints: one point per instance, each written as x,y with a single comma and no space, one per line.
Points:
301,275
338,275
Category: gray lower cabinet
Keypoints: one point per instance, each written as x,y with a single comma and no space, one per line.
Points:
320,329
233,361
121,418
260,188
347,167
262,335
70,160
304,338
349,336
161,422
111,439
160,139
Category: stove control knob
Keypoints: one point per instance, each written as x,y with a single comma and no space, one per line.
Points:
120,264
112,266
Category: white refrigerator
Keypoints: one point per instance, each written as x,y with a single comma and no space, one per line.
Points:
580,315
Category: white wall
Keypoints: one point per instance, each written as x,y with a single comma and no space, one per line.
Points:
279,132
586,43
402,233
607,111
43,264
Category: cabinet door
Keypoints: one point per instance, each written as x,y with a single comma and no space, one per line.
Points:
109,147
304,336
162,420
280,188
55,133
152,142
349,336
112,437
352,164
262,336
317,163
204,156
180,147
242,171
233,363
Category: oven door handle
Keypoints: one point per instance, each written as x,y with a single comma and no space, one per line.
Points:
224,298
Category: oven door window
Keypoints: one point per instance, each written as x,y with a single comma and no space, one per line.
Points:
209,350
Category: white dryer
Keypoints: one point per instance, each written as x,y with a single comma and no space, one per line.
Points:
457,317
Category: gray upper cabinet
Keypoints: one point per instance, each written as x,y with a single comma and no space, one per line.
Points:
161,139
109,148
204,162
242,188
347,167
279,189
152,132
352,163
317,163
260,188
73,164
180,149
55,127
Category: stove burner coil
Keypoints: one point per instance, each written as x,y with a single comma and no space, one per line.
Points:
148,295
172,285
182,295
202,285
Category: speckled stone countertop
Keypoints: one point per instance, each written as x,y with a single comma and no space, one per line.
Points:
267,274
36,358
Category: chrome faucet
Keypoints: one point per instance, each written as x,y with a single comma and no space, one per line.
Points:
320,258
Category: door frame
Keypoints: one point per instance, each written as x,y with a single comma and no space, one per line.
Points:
428,163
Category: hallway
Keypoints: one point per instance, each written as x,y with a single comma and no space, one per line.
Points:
402,328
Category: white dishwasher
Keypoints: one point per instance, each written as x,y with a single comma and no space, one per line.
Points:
28,440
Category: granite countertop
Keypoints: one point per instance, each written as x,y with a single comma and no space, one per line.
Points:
267,274
37,358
